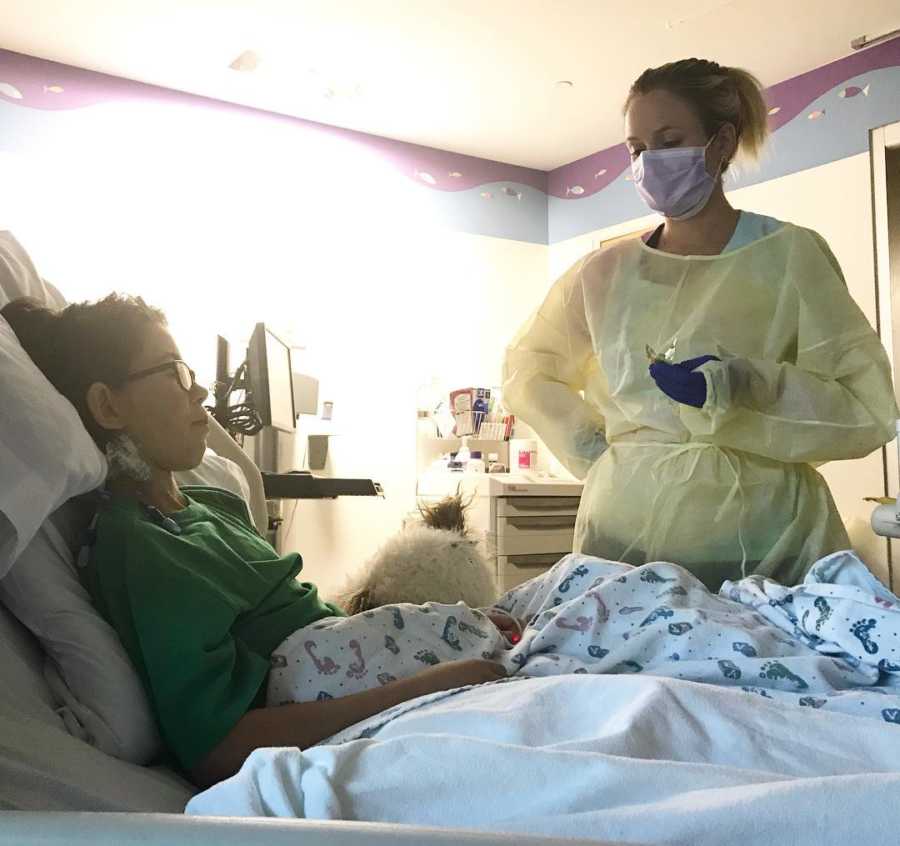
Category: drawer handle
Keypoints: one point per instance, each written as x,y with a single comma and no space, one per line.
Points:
534,560
533,503
562,522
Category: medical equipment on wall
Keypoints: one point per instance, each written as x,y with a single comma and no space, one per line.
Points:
273,395
266,379
264,421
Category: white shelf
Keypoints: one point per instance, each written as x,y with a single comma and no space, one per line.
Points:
458,440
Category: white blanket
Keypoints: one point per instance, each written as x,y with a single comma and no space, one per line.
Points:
637,758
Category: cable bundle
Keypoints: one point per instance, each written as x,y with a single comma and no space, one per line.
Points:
241,418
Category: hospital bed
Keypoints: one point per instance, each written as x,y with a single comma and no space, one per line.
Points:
57,785
58,789
671,762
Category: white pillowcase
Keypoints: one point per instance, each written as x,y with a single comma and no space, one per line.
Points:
43,768
87,667
19,278
216,472
46,454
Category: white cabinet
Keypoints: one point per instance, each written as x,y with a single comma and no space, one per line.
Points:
525,522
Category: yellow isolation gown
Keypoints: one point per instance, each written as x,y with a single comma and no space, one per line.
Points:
728,489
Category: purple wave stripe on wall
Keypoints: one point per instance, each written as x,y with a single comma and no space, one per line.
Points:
53,86
40,84
786,101
840,101
590,174
793,95
445,171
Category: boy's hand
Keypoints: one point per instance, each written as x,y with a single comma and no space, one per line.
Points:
453,674
509,626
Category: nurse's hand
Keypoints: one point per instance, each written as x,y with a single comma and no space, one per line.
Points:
680,382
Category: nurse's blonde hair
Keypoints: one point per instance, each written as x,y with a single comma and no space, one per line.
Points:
717,94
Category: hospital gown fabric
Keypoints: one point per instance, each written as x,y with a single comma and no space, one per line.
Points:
727,489
832,643
343,655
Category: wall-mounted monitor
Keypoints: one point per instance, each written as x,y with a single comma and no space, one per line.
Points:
271,379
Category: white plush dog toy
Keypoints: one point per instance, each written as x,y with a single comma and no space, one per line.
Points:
435,561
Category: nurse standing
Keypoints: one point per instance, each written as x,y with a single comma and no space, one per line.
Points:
760,365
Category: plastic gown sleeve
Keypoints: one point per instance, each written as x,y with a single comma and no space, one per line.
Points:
545,369
836,402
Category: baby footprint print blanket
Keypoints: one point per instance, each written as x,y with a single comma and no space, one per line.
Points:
832,642
640,709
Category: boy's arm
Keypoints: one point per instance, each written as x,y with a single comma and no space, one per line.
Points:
304,724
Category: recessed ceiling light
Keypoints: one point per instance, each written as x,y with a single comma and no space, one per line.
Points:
565,83
247,61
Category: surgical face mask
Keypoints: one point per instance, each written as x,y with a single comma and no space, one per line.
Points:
674,182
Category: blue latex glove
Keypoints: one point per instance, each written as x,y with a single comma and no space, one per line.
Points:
680,382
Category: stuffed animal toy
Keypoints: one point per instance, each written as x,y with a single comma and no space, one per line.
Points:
432,561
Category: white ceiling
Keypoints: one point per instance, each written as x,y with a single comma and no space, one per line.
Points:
473,76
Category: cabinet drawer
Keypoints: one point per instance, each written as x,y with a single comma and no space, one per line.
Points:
530,535
510,526
513,570
529,506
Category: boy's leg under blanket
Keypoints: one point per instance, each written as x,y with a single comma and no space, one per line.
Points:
588,615
571,576
339,656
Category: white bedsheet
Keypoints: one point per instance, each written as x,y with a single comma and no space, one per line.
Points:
792,757
635,759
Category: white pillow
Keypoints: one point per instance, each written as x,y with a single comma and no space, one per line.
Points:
87,666
19,278
216,472
46,454
42,768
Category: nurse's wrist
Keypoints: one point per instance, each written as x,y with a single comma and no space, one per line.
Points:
705,420
718,387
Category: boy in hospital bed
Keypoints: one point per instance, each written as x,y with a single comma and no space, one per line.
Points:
235,653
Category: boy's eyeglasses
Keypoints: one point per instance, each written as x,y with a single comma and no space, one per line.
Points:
186,376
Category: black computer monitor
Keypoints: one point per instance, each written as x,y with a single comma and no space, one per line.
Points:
271,379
